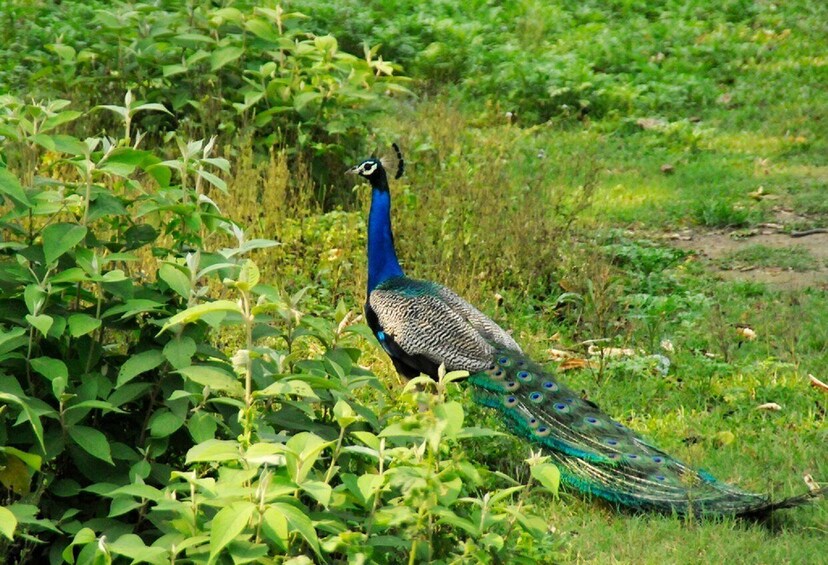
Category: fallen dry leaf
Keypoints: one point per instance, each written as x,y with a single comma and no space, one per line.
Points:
758,193
570,364
650,123
769,406
816,383
611,351
812,485
559,354
746,333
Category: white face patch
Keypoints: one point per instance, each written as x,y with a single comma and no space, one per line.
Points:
367,169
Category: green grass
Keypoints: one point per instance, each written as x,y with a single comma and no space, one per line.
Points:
704,412
791,258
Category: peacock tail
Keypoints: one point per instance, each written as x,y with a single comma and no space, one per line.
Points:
596,454
422,325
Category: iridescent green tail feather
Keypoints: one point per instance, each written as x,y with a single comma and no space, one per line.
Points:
599,456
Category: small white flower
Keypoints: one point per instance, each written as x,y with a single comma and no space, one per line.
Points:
240,359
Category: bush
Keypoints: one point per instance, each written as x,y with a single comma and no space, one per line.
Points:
239,71
128,435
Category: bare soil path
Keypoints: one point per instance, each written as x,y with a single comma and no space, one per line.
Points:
716,247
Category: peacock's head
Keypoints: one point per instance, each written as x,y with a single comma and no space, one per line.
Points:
373,168
370,168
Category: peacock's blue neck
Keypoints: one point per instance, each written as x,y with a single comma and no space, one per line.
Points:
382,258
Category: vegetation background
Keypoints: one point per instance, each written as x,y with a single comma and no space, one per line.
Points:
184,375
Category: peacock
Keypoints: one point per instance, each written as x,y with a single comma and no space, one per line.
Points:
422,325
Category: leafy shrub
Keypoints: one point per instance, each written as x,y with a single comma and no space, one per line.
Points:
127,434
546,59
241,69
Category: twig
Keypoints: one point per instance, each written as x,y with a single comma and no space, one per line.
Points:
808,232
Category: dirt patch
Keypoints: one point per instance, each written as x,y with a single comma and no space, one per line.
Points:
715,247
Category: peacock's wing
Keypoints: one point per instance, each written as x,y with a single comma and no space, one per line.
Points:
421,319
595,453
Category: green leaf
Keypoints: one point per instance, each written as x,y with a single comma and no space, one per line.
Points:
42,322
31,459
71,275
100,404
155,107
59,119
50,368
92,441
248,276
60,238
134,306
344,414
120,110
202,426
172,70
176,279
214,180
548,475
139,363
224,55
368,438
123,504
10,186
65,52
229,523
83,537
298,521
261,453
12,339
303,99
69,144
82,324
197,312
452,413
131,546
34,297
263,29
179,351
215,378
275,527
302,451
31,415
368,486
14,475
164,423
319,490
214,450
8,522
139,235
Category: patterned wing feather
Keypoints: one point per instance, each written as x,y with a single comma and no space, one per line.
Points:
426,319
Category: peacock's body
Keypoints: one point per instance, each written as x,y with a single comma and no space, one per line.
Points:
422,325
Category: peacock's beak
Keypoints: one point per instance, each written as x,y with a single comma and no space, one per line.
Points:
352,170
